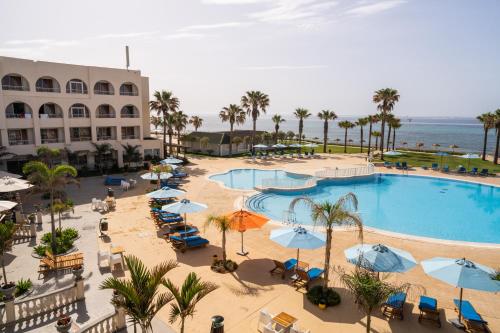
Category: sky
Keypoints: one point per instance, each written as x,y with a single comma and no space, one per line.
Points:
441,55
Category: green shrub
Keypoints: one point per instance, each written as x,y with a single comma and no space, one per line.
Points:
496,276
64,241
40,250
23,286
70,232
327,296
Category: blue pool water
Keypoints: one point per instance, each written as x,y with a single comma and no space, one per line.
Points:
248,179
420,206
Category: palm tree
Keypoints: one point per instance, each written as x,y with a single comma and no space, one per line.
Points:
169,124
61,207
361,122
326,115
497,128
277,120
368,290
377,135
156,122
7,231
196,121
389,121
180,122
139,295
223,224
290,135
233,114
386,99
102,150
254,102
164,102
47,155
330,215
192,291
131,154
346,125
372,119
488,121
50,179
395,124
301,114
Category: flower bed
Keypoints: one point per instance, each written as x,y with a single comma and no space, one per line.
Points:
64,241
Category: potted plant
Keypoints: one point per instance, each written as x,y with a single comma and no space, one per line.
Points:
8,289
77,271
322,304
215,258
63,323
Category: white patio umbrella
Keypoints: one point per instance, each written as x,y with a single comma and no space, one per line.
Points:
380,258
393,153
171,160
310,145
7,205
469,157
8,184
166,192
279,145
294,145
260,146
154,175
183,207
8,174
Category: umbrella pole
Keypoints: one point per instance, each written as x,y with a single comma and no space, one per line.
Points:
185,223
458,322
242,252
297,259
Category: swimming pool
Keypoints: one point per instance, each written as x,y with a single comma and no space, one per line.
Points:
415,205
248,179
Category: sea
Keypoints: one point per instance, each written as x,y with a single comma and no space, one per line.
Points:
466,133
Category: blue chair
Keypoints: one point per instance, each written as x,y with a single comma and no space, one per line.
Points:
398,165
446,168
190,242
404,166
113,181
473,172
394,305
484,172
302,279
435,167
283,267
472,319
429,310
388,164
179,174
191,231
462,170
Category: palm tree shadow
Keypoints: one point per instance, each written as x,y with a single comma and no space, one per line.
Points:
199,256
256,271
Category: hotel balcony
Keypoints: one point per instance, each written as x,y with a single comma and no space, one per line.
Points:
105,111
130,132
52,135
47,84
129,89
18,110
104,88
79,134
129,111
50,110
15,82
20,137
106,133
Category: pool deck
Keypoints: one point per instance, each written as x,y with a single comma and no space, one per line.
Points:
242,294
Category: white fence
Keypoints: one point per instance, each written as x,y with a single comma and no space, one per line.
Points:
289,183
345,173
108,324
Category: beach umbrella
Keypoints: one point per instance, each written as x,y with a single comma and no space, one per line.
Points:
260,145
393,153
294,145
310,145
183,207
155,176
242,220
279,145
8,174
171,160
7,205
380,258
469,157
298,238
166,192
463,274
8,184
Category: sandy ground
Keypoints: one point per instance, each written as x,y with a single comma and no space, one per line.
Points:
241,295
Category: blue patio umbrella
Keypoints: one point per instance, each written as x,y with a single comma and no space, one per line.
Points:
461,273
294,145
298,238
165,192
183,207
380,258
171,160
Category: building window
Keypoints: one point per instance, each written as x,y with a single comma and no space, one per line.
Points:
150,154
103,88
105,133
105,111
129,132
18,137
129,111
129,89
15,82
78,111
50,135
47,84
80,133
50,110
18,110
76,86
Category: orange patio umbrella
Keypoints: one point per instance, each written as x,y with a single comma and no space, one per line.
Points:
242,220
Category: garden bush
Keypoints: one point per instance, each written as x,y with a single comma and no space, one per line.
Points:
23,286
328,296
64,241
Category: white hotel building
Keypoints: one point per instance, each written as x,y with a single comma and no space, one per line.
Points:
71,106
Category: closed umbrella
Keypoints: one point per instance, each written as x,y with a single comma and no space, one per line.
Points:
242,220
171,160
441,154
298,238
183,207
380,258
461,273
166,192
8,184
7,205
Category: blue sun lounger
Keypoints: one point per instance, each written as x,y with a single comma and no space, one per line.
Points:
184,243
283,267
462,170
398,165
429,310
388,164
302,279
404,166
393,307
473,320
435,167
484,172
173,219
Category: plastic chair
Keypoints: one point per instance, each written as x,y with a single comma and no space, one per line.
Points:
265,318
115,259
269,329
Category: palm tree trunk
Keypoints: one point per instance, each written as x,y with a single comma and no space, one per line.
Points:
231,139
182,324
164,135
370,138
60,221
376,141
495,159
484,143
345,141
224,256
361,140
382,131
325,135
276,130
52,223
3,270
254,129
170,147
368,322
328,249
393,138
388,138
178,142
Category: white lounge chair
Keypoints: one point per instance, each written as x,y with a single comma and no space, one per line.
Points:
93,205
269,329
295,329
265,318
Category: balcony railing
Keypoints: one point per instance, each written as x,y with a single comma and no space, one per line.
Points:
46,89
51,140
103,92
77,91
129,137
80,138
105,137
18,115
130,115
106,115
50,115
14,87
20,142
129,93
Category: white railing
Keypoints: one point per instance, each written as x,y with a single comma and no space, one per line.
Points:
106,324
344,173
274,183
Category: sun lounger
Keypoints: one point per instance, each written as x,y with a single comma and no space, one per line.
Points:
446,168
398,165
283,267
472,319
435,167
169,220
388,164
429,310
484,172
462,170
302,279
184,243
473,172
394,305
179,174
404,166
